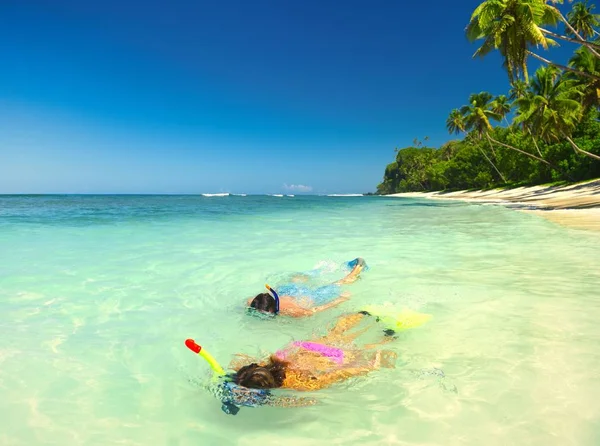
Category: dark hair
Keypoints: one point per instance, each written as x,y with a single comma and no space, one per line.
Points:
264,302
255,376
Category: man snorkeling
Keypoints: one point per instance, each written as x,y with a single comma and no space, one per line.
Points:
301,301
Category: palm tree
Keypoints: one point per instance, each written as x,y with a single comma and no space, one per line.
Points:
513,27
478,113
517,89
553,108
455,122
502,106
583,60
477,117
583,20
580,23
466,119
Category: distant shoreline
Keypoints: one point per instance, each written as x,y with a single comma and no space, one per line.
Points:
575,205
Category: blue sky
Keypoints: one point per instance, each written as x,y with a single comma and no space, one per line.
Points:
229,96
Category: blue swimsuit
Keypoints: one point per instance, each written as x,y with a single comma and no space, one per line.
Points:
319,295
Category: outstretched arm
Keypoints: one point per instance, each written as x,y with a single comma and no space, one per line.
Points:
332,304
298,311
345,323
385,358
341,375
291,401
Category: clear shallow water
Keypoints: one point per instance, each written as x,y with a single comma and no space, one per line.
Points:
97,295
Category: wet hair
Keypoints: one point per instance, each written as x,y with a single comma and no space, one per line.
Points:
264,302
255,376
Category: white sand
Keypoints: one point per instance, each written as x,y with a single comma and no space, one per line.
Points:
576,205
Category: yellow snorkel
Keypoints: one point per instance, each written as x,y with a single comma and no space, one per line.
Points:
212,362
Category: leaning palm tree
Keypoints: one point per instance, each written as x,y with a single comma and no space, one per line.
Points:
583,60
513,27
477,117
579,23
464,120
554,108
583,20
456,123
518,90
478,113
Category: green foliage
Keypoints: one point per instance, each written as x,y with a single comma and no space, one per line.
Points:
583,60
512,27
583,20
555,132
553,107
459,165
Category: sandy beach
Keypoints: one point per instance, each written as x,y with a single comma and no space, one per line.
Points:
576,205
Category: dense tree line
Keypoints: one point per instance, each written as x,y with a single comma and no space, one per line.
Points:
545,129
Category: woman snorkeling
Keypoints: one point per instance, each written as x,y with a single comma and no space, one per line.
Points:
308,365
317,363
300,301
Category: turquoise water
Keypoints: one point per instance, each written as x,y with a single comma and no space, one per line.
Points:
98,294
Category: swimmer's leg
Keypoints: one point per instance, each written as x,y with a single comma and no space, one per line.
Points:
353,275
384,341
349,338
345,323
385,358
388,336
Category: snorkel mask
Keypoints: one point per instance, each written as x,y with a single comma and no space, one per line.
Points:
259,313
231,395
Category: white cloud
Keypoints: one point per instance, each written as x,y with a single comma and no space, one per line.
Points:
297,187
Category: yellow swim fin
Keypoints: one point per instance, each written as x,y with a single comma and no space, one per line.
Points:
397,320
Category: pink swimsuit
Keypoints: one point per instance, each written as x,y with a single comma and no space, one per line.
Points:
333,353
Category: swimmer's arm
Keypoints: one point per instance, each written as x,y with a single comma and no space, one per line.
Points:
298,311
291,401
342,375
335,303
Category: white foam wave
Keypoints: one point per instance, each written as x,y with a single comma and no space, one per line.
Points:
345,195
216,195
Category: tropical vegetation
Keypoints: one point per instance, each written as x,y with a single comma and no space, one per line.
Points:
546,127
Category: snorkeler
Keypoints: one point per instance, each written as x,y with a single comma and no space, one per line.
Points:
301,301
317,363
308,365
